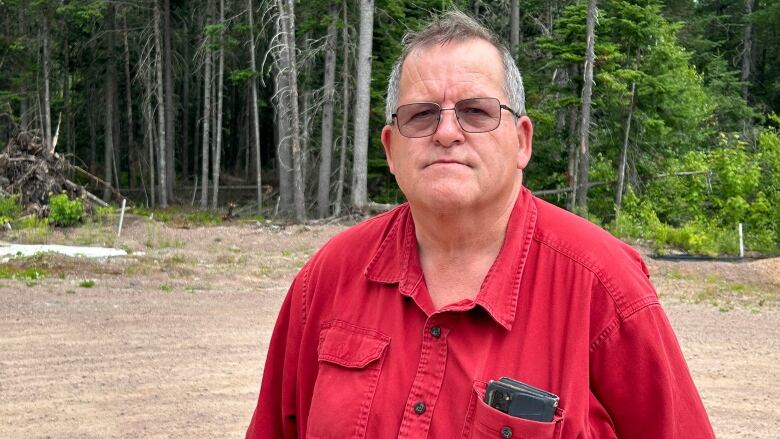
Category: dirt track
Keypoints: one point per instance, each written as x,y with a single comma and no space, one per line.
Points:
171,343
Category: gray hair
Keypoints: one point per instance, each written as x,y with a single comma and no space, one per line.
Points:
454,25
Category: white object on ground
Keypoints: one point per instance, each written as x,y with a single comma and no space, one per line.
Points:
68,250
741,243
121,218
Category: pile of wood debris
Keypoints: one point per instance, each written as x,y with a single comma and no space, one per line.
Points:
34,173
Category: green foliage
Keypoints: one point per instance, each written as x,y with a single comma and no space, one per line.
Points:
10,209
103,214
700,213
204,218
64,211
87,283
29,274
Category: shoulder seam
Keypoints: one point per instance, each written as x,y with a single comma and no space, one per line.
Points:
588,265
304,294
617,322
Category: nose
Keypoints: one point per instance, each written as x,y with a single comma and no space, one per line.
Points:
449,132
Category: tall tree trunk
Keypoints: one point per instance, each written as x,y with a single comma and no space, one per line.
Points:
185,107
220,86
131,149
255,111
161,150
624,153
110,92
306,113
47,135
288,20
747,61
92,122
284,152
323,185
587,91
345,112
362,108
205,145
149,133
574,155
514,28
66,98
170,111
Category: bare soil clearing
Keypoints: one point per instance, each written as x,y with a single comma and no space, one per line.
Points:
171,343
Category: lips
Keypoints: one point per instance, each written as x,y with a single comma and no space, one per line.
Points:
447,162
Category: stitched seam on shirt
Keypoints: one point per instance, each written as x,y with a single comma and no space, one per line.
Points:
616,323
381,249
304,293
588,265
507,322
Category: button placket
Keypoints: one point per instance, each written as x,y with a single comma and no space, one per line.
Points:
427,383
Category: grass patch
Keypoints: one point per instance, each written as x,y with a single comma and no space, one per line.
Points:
166,288
203,218
29,274
87,283
180,217
726,295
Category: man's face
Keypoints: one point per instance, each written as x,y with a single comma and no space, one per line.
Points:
453,169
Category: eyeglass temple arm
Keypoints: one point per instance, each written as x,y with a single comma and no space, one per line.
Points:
509,109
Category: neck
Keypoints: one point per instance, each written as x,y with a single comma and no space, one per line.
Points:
476,230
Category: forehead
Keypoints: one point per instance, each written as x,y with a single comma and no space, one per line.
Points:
452,71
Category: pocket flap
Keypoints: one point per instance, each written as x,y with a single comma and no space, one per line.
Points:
350,345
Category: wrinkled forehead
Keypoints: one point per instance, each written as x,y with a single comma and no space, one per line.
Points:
454,69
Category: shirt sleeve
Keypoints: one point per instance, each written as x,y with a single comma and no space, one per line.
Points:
275,414
640,376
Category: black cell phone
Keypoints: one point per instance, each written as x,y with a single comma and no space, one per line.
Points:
521,400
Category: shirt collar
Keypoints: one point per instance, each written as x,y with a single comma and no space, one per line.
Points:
397,260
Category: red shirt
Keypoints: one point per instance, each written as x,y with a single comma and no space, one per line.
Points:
359,351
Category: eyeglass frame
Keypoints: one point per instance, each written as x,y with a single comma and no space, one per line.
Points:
501,106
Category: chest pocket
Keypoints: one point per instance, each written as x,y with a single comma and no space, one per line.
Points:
483,421
350,362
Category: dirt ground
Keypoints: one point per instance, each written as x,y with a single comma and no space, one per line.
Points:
170,341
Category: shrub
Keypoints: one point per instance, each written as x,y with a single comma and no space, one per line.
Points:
10,207
64,211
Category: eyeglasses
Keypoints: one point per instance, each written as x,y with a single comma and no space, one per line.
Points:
475,115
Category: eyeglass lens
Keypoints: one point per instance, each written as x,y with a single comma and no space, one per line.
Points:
476,115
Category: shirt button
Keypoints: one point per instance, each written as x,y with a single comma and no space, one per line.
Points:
506,432
436,331
419,408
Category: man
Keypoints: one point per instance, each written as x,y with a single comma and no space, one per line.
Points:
397,325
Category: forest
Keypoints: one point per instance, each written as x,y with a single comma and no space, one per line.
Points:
656,119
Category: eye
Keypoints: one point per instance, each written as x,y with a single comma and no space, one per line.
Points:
427,113
473,111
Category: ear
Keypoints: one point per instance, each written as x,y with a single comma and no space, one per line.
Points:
387,136
525,135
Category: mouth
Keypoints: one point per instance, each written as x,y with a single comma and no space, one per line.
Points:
446,162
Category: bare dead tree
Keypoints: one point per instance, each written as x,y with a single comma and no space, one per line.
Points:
345,111
170,110
161,153
110,100
220,86
587,91
255,115
289,68
46,122
624,152
362,108
326,143
514,27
